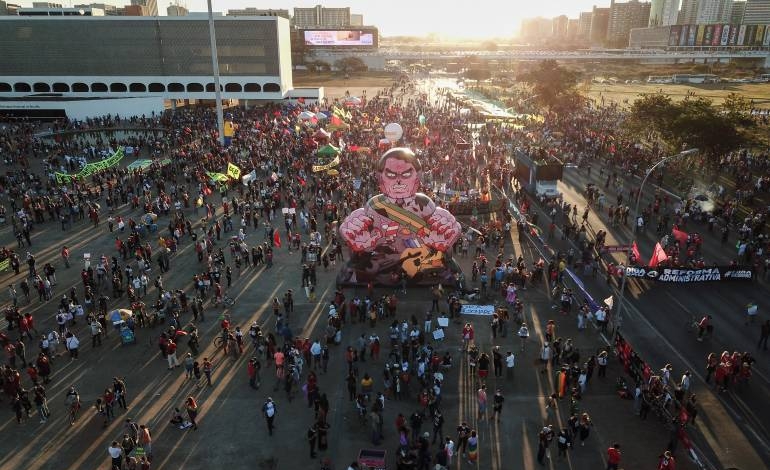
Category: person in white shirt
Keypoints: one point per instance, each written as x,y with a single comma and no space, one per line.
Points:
523,335
545,357
116,454
686,383
510,362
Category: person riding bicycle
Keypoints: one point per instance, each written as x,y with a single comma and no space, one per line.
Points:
705,326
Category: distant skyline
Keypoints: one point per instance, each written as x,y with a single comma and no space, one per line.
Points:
451,18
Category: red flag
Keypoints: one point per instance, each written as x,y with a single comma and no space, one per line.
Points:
277,239
335,121
680,236
658,256
635,252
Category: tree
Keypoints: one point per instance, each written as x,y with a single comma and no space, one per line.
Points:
738,108
693,122
700,124
650,116
351,64
478,74
550,82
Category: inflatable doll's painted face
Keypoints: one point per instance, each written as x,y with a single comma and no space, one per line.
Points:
399,179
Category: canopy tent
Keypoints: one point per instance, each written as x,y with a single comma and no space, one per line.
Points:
306,116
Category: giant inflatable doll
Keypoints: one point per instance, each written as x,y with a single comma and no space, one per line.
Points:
400,232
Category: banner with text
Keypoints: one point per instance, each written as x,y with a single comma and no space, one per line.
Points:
477,309
692,275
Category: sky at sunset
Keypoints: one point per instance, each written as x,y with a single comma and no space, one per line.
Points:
476,18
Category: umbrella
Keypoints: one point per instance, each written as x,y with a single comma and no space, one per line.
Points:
305,116
332,172
328,151
321,116
352,102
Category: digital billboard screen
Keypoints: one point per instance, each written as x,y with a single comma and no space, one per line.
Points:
340,38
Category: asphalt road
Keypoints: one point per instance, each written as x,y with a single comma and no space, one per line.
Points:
657,325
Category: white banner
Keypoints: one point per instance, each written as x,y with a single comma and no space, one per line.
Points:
477,309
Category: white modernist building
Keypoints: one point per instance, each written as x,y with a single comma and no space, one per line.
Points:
87,66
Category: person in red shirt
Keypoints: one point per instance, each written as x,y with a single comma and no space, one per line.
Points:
613,457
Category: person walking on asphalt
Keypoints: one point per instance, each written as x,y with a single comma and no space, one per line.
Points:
764,334
613,457
312,435
269,410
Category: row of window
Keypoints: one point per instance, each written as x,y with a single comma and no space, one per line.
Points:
97,87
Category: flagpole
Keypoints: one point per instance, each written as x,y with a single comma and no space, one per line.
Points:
215,70
618,321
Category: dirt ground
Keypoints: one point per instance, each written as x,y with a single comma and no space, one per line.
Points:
758,92
335,85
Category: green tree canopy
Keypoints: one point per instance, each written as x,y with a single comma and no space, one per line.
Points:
692,122
550,82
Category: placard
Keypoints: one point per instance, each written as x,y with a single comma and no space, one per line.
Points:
438,334
443,322
477,309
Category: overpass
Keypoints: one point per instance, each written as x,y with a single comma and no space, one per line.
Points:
378,59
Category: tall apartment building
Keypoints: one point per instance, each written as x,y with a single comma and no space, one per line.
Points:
536,30
688,12
356,19
584,26
713,11
623,17
736,12
757,12
177,10
151,5
559,26
259,12
321,16
573,27
663,12
600,20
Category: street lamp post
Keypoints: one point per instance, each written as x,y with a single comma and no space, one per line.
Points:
621,301
215,67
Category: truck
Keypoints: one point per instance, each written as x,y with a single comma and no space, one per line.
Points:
538,173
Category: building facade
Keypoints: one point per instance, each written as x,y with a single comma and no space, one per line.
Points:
663,12
757,12
584,27
151,5
259,12
713,11
356,19
319,16
623,17
59,11
137,65
176,10
109,10
600,20
736,12
559,26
